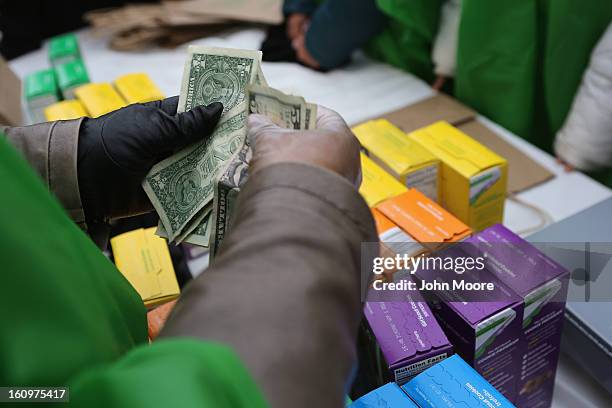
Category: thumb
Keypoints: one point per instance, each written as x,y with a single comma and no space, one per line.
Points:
195,124
259,126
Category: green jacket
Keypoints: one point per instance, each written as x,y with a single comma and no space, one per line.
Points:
69,318
519,62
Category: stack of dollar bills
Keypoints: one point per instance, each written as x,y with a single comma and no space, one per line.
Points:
194,190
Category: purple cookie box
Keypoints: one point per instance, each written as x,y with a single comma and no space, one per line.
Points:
462,319
408,335
542,284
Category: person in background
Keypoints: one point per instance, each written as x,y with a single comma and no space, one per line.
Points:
585,140
266,325
518,63
420,37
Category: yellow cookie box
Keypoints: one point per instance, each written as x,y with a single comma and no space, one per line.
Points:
144,259
474,178
65,110
408,162
99,98
138,88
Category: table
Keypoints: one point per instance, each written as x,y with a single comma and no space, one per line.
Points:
360,91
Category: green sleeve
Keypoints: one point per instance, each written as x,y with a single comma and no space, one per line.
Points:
520,62
69,317
64,306
181,373
408,39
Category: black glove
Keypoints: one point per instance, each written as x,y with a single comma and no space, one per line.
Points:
118,149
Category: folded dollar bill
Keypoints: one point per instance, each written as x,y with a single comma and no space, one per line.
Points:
194,191
288,111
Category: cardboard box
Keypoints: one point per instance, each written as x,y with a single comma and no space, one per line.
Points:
40,91
63,48
143,258
389,395
65,110
71,75
484,327
407,335
99,98
157,317
542,285
10,96
474,179
423,220
376,184
452,383
138,88
411,224
409,163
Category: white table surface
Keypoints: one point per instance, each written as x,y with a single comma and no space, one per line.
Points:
362,90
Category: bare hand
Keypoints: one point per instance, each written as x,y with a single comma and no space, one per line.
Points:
302,54
297,24
331,146
566,166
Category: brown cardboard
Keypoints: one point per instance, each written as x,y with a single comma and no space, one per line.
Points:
256,11
523,171
10,96
428,111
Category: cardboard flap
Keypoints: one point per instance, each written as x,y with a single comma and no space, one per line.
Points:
457,149
430,110
404,329
144,260
423,219
377,185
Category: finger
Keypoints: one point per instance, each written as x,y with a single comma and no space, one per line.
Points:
259,125
168,105
194,125
291,29
328,119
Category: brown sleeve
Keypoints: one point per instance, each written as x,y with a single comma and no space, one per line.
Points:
285,288
51,149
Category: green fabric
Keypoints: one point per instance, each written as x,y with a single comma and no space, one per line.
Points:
408,39
519,62
170,373
69,317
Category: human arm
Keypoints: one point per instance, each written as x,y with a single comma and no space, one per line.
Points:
71,319
51,149
585,140
336,29
95,166
284,291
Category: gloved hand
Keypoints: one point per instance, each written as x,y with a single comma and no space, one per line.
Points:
117,150
332,145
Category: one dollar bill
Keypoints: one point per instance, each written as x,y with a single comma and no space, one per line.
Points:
182,185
